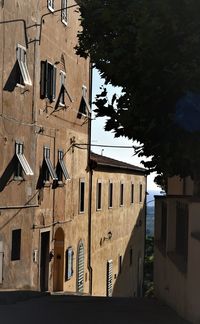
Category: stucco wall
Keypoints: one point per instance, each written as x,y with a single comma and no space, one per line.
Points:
126,223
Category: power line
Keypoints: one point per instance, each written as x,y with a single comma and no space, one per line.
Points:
105,145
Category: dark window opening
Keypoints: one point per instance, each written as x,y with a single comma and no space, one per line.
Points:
132,193
110,195
140,193
16,245
82,196
121,194
99,190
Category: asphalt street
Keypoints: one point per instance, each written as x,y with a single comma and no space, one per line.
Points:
65,309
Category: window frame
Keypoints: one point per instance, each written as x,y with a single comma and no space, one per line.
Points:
61,169
64,12
51,5
49,170
99,195
81,196
62,88
22,163
22,63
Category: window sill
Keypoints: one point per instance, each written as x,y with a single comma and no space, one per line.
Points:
51,9
60,184
64,22
19,85
18,179
99,209
81,212
47,184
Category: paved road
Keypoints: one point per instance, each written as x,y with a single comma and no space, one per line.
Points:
58,309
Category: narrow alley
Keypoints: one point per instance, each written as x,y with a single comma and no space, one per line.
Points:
60,309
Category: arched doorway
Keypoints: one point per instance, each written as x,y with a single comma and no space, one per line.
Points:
80,268
58,270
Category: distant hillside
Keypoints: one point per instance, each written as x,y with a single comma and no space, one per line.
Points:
150,211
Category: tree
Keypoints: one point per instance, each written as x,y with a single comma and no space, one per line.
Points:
151,49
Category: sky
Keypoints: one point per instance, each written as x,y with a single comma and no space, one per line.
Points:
100,136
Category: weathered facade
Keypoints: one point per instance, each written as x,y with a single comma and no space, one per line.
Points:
117,227
52,235
43,83
177,246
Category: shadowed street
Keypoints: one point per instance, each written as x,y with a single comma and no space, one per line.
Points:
62,309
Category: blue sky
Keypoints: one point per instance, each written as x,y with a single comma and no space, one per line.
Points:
99,136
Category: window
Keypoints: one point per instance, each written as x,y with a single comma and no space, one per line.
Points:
163,234
84,105
82,196
110,195
16,245
61,169
64,11
69,263
48,81
132,193
130,257
48,167
51,5
24,77
120,264
182,229
121,194
22,164
140,193
99,193
62,88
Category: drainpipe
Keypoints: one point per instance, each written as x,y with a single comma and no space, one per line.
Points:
90,189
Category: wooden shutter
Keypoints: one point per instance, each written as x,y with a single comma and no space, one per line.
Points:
69,263
109,278
43,79
80,278
54,83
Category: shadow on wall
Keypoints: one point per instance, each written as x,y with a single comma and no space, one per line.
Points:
8,172
129,279
13,78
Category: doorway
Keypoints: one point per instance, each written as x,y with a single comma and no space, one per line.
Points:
58,270
80,268
44,261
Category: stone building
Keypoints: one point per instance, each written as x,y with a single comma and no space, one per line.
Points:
117,227
46,196
177,248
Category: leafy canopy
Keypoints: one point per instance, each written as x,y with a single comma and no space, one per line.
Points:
152,50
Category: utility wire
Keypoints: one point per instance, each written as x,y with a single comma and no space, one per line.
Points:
104,145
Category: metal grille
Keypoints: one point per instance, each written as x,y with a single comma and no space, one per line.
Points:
80,267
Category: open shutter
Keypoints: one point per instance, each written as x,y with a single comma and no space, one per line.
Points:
54,83
109,278
43,79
